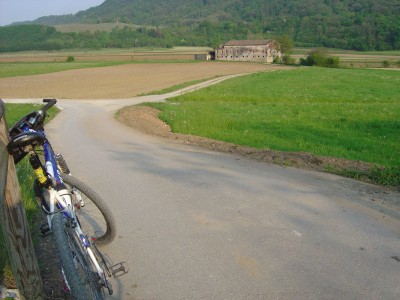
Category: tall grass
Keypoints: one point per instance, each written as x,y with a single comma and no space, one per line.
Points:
347,113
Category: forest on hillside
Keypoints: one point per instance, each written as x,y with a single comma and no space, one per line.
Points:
346,24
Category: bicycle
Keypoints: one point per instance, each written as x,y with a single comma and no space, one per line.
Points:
77,216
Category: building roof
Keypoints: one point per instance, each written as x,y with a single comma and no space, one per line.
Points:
247,43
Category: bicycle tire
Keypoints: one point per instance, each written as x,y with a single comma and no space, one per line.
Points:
95,217
78,270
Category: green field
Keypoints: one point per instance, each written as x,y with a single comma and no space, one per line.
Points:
26,63
34,68
347,113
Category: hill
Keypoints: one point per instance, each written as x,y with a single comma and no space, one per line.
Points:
347,24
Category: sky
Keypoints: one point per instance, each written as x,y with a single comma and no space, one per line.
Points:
29,10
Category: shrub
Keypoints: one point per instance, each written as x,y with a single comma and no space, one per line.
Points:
332,62
277,60
288,60
319,57
386,64
70,59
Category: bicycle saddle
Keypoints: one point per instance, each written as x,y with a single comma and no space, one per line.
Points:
24,139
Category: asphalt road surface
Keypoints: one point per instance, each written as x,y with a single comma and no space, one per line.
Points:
196,224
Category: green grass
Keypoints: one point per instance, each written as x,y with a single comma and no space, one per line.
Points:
13,113
33,68
347,113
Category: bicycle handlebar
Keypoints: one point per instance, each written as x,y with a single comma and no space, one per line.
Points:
38,118
33,120
50,103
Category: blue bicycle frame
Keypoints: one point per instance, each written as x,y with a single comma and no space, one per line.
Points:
27,136
52,169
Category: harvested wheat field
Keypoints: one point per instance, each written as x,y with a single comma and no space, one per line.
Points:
123,81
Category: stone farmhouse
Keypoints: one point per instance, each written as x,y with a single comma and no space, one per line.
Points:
249,50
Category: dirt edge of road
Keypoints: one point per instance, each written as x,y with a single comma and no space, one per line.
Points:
145,119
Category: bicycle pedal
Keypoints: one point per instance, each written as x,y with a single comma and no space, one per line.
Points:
118,269
45,230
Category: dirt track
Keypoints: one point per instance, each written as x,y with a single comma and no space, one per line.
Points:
122,81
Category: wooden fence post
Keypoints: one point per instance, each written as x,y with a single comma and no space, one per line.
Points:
14,224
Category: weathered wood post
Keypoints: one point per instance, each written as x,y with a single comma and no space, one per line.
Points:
14,224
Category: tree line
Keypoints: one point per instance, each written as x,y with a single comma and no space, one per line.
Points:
43,37
358,25
346,24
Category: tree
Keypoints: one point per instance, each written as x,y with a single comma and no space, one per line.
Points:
285,43
317,57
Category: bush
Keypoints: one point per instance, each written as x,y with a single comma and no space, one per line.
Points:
332,62
70,59
277,60
288,60
386,64
319,57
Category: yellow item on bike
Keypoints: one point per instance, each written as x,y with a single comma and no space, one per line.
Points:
40,175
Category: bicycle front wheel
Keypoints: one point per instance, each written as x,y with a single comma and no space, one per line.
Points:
80,275
94,216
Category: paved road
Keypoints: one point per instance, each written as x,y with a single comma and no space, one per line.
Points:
194,224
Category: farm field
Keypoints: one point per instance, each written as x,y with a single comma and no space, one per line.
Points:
348,58
122,81
125,55
357,59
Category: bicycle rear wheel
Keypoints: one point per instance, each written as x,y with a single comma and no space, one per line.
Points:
82,279
94,217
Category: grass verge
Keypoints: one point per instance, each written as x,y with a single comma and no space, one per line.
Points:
344,113
26,178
